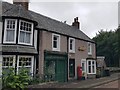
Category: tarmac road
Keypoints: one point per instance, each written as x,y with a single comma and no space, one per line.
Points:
113,84
103,82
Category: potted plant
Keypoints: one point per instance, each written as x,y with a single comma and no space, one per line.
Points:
98,73
83,76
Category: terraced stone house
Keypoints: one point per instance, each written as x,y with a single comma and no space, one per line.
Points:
43,45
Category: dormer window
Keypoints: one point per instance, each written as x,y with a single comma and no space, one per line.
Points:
10,31
25,32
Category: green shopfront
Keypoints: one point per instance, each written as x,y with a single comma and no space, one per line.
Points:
55,66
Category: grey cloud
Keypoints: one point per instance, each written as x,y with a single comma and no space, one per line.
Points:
92,15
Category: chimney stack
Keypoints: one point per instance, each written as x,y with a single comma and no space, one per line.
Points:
76,23
24,3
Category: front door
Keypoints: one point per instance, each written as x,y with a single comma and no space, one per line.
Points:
61,70
71,67
83,65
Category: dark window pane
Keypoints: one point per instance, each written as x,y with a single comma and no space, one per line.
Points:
55,38
89,69
71,47
93,62
89,63
93,68
55,44
7,26
71,41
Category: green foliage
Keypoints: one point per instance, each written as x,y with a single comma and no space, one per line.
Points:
107,45
11,80
36,79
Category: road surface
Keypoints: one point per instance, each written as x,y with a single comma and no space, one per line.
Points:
113,84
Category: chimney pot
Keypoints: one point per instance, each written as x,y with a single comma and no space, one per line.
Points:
76,23
24,3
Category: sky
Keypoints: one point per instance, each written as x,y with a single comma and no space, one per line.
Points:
93,15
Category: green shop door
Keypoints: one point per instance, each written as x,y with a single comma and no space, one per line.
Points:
56,66
61,72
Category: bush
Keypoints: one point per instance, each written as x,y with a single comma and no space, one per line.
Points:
35,80
10,80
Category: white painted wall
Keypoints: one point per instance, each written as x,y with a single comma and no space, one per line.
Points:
0,32
35,39
0,48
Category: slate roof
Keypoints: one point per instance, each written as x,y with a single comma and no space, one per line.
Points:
43,21
15,11
19,48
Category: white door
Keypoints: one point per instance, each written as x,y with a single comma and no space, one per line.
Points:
84,67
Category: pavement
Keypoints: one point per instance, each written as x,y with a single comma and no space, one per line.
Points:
89,83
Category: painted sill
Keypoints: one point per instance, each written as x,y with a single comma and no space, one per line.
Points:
56,49
6,42
91,73
70,51
30,44
89,53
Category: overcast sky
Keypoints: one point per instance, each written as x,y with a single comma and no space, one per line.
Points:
93,16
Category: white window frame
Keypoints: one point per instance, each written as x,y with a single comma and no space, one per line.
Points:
84,61
32,64
35,38
1,23
13,61
5,31
73,45
58,42
31,39
89,48
91,66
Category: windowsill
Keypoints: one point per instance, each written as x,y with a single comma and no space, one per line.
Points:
30,44
55,49
89,53
5,42
71,51
91,73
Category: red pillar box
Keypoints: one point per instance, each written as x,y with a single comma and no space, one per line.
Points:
79,72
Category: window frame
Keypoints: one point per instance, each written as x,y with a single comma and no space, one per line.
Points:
73,45
89,48
85,68
58,42
13,61
5,31
91,66
32,63
31,39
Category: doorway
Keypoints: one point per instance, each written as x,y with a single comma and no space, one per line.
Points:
71,68
84,67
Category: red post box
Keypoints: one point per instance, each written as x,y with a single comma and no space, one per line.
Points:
79,72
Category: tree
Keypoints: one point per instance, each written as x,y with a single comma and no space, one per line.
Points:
118,35
107,45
